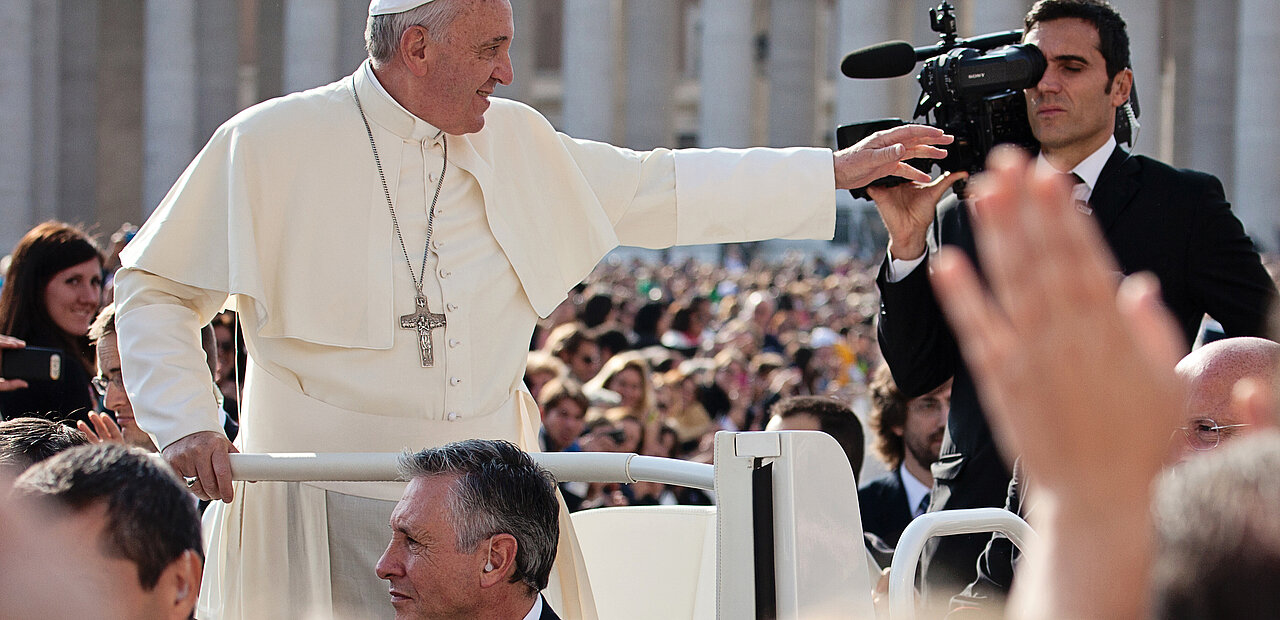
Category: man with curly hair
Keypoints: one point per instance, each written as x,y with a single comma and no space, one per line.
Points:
908,436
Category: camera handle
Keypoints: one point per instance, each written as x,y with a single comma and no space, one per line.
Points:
942,19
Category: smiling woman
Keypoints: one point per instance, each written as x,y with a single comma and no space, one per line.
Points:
51,293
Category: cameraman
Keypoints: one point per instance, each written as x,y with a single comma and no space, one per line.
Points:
1174,223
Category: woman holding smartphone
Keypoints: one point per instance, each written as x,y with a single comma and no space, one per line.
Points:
51,293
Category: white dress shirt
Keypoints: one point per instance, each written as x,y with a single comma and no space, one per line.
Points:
536,611
915,489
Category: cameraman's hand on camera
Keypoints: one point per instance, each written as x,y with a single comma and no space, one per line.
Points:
907,211
9,385
884,153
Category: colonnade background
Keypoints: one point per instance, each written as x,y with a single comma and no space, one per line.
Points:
104,102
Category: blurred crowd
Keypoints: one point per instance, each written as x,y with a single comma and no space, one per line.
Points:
654,358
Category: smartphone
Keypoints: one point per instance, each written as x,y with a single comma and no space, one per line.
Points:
31,364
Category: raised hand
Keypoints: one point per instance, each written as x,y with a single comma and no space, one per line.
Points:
104,428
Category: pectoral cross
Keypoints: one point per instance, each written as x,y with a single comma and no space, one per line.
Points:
423,320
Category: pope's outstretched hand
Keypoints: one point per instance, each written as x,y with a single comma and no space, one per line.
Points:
884,153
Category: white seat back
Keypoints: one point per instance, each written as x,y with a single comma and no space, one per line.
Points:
650,561
819,567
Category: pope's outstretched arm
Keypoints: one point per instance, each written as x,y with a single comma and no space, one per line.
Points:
167,376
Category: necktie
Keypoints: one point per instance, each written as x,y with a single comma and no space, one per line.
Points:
922,507
1080,194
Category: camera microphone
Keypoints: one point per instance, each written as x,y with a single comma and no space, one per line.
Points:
885,60
898,58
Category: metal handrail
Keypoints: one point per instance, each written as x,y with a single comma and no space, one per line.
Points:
902,572
382,467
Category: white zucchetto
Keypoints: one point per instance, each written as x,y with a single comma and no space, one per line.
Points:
385,7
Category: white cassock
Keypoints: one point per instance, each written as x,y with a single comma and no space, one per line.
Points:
282,216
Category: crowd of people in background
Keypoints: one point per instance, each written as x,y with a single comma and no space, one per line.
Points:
645,357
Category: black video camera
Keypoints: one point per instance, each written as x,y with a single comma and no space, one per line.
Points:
970,88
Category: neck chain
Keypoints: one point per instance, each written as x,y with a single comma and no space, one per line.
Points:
422,320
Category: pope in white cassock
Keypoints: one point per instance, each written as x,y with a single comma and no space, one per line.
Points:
312,215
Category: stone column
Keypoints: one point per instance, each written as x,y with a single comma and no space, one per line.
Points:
268,48
118,195
17,139
77,63
860,23
169,96
1257,134
792,73
1205,88
726,75
352,19
588,69
1143,20
46,108
651,71
523,50
218,65
988,16
310,44
921,33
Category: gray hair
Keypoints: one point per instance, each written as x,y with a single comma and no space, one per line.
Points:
497,489
1217,549
382,33
104,324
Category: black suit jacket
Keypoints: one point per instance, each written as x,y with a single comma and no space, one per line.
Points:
883,505
547,612
1174,223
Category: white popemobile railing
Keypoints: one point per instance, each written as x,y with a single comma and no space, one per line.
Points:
381,467
902,591
785,534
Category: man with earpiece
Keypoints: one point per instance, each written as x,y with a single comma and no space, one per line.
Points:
474,534
1174,223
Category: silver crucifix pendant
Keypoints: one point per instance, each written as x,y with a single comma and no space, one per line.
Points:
423,320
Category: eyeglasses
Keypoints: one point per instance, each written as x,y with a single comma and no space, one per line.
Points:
101,383
1205,434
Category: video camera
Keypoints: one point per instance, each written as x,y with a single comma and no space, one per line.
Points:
970,88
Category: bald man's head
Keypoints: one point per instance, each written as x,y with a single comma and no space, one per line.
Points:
1211,372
